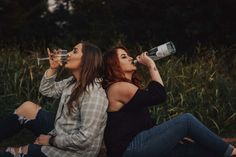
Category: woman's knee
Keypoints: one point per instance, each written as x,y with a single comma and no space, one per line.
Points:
28,110
35,151
189,117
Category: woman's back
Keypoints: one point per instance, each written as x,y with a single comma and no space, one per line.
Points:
123,126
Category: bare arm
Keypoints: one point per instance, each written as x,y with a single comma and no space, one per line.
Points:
50,72
119,94
147,61
126,96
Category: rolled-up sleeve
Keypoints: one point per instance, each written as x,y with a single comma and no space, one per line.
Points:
50,88
93,120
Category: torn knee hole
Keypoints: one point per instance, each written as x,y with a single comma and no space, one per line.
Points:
23,120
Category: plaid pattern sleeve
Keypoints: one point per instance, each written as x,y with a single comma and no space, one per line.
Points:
50,88
81,132
92,108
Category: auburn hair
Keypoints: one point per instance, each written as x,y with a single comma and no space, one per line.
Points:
112,70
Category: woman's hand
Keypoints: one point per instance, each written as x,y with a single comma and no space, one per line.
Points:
43,140
145,60
54,60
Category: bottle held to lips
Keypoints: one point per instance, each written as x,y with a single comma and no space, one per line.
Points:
160,51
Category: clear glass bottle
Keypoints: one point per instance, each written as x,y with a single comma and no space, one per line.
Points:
161,51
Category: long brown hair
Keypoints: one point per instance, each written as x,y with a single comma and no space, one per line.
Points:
91,66
112,70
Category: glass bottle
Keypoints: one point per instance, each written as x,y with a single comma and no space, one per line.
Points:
161,51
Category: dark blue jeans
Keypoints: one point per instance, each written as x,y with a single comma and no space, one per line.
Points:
163,140
42,124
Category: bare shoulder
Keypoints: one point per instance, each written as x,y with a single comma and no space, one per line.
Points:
124,88
119,94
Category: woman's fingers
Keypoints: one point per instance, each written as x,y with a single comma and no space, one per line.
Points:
142,56
144,59
36,141
50,54
138,58
48,50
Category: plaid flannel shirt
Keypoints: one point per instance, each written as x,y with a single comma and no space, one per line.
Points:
79,134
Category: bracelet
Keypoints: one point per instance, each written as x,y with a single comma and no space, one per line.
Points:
51,140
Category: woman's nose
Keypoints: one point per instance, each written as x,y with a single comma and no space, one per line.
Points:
69,53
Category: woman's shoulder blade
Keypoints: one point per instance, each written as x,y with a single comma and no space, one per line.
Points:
119,94
121,87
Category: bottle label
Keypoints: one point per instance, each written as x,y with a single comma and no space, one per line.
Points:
162,51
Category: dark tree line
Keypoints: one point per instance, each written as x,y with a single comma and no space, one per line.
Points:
147,22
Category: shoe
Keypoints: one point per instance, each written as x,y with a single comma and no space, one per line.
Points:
13,152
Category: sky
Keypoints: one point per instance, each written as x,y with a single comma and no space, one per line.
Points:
51,5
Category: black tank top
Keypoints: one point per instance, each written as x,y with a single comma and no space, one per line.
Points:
133,118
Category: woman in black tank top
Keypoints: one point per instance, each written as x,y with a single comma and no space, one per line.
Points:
130,131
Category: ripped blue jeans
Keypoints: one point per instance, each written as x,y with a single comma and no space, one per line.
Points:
42,124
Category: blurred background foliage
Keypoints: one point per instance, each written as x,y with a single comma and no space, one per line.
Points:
199,79
31,24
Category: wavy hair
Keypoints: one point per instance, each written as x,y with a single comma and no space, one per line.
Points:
91,67
112,70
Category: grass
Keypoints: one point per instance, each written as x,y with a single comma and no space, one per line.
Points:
203,86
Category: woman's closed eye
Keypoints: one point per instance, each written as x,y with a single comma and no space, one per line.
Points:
123,56
75,50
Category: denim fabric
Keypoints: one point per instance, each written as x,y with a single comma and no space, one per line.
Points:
33,151
5,154
163,140
42,124
9,126
191,150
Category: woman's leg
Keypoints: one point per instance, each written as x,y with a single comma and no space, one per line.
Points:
14,122
39,121
5,154
42,124
191,150
31,150
34,150
162,139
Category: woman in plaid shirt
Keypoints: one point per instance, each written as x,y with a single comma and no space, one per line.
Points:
78,127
